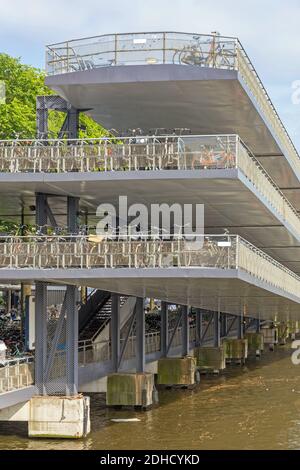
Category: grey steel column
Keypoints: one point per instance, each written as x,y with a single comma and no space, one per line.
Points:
115,331
140,335
185,331
198,326
257,325
72,211
164,329
41,117
40,335
240,327
223,324
217,330
8,303
41,210
71,342
73,123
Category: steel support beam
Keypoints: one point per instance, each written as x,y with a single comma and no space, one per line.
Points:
174,330
185,330
217,329
50,215
164,329
41,217
70,125
40,336
198,326
257,324
71,342
55,340
223,324
130,328
140,335
115,331
72,214
240,328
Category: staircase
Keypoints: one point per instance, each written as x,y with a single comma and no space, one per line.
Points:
95,314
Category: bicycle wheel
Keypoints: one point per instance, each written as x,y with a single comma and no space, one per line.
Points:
185,57
175,57
225,58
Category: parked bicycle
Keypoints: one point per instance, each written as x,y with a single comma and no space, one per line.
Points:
207,53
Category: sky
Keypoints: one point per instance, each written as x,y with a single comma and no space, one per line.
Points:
268,29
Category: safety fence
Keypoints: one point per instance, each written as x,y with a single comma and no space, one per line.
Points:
146,153
206,251
201,50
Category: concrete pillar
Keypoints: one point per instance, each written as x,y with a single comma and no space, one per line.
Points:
164,329
176,371
140,335
236,350
125,389
282,333
257,325
210,358
255,343
40,335
185,330
115,330
59,417
71,341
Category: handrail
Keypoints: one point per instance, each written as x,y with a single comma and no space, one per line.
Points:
206,50
142,153
77,251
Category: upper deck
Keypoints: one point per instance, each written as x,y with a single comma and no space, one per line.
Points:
205,83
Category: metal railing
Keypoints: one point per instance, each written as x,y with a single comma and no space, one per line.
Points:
118,154
97,351
169,48
213,251
16,373
145,153
141,48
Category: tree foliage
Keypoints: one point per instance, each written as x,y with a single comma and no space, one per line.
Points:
23,84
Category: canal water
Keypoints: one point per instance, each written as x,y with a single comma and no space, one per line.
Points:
251,407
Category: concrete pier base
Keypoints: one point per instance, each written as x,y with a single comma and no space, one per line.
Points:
293,329
59,417
283,333
270,337
255,343
211,359
236,350
176,371
130,389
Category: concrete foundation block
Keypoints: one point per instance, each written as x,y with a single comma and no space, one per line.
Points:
283,333
235,349
210,358
176,371
270,335
255,342
59,417
130,389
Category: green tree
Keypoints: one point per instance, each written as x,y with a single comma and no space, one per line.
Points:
23,84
